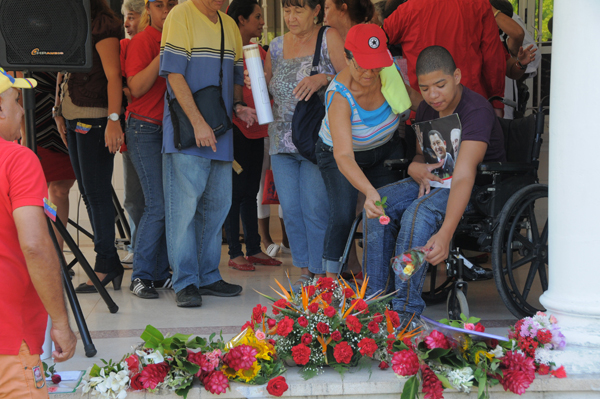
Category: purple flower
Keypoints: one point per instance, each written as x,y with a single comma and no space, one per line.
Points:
529,328
558,339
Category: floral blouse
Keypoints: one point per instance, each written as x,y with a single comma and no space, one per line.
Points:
287,73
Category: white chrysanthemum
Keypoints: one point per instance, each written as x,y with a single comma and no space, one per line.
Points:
544,356
461,379
542,321
498,352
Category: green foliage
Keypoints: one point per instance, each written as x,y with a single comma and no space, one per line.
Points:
411,388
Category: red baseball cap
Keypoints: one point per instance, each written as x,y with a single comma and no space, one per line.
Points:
368,44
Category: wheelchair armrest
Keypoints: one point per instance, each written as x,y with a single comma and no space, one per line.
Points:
397,164
506,167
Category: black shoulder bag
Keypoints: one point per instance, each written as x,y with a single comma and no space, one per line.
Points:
211,105
309,115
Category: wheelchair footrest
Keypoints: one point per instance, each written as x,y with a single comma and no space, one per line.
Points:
477,273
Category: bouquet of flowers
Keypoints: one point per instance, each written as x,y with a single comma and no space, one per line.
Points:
327,322
537,337
406,264
109,381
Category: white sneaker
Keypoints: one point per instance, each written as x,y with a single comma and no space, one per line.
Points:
272,250
127,261
285,250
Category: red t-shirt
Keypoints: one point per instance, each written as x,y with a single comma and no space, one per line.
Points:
22,314
466,28
255,131
123,54
144,47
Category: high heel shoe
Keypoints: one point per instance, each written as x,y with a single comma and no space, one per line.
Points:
116,276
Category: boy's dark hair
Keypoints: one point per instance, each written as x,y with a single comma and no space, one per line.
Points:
435,58
243,8
312,4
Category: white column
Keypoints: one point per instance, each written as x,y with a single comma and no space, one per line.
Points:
573,295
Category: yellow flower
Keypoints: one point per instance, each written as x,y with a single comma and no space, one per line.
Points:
248,375
409,269
484,355
264,349
229,372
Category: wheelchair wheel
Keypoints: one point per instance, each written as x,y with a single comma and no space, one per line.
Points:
456,304
436,287
520,250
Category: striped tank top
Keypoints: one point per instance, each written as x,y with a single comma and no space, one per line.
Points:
370,129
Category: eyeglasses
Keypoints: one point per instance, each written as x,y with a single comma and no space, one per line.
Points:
363,70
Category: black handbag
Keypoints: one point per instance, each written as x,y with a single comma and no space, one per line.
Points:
309,115
211,105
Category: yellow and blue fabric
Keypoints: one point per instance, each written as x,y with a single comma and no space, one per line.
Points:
191,46
394,90
370,129
7,81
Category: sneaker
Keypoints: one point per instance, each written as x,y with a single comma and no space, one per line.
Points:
220,288
189,297
285,250
143,289
128,259
166,284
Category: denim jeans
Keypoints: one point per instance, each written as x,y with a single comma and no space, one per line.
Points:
144,144
93,166
303,198
197,200
249,154
134,196
342,195
412,223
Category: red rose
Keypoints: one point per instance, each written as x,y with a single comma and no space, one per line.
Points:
394,318
323,328
384,366
56,378
278,305
367,346
313,307
353,324
302,321
325,284
277,386
348,293
133,364
543,369
154,374
329,311
373,326
301,354
336,336
361,305
310,290
258,312
378,317
479,327
327,296
306,339
343,352
271,323
285,326
136,383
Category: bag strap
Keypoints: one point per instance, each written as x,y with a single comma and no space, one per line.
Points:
317,56
222,50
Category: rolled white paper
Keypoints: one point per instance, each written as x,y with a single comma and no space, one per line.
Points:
260,93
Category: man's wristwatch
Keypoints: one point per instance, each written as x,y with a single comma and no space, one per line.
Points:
114,117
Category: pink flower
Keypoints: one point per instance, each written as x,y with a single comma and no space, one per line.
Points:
553,319
437,340
241,357
405,363
384,220
260,335
216,383
214,357
470,326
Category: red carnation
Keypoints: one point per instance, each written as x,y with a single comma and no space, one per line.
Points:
384,366
325,284
348,293
301,354
241,357
336,336
394,318
249,325
285,326
302,321
432,386
378,317
327,296
310,290
133,364
544,336
361,305
343,352
258,312
543,369
390,343
479,327
373,326
278,305
201,360
405,363
277,386
136,383
323,328
154,374
437,340
559,372
353,324
367,346
216,383
329,311
313,307
271,323
306,339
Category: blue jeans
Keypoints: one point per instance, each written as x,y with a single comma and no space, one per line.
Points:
197,200
93,166
412,223
134,196
144,144
303,198
342,195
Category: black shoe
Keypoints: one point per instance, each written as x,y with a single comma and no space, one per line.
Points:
116,276
143,289
477,273
220,288
189,297
166,284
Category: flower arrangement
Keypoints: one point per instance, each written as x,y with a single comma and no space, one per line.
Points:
406,264
109,381
463,358
327,322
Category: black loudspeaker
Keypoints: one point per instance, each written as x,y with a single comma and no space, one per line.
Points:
45,35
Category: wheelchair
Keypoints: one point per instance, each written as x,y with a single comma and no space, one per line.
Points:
509,221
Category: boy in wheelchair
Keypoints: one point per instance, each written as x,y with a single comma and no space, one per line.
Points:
421,215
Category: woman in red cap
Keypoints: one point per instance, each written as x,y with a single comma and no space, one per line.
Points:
357,135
